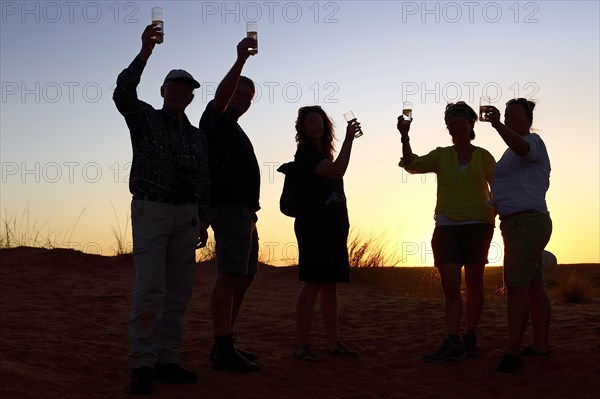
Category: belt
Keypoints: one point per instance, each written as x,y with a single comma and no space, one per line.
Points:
523,212
165,199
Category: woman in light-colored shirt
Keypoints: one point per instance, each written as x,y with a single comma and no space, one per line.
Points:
464,223
521,179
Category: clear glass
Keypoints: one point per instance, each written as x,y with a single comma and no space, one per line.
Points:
349,116
252,31
407,108
484,108
158,19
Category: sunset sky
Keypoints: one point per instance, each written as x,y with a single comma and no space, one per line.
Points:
65,150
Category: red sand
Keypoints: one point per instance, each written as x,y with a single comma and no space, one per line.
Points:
63,334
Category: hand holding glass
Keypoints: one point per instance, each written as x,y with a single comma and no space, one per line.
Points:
252,32
158,16
350,118
484,108
407,108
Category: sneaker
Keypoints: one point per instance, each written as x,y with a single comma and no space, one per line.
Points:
451,350
245,354
251,356
306,354
342,350
225,357
470,344
509,364
141,381
173,373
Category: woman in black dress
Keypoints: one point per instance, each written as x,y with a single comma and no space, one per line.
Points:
321,227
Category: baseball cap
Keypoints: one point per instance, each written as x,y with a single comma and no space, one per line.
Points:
181,74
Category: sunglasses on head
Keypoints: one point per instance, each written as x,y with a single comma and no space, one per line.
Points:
458,104
520,100
527,105
310,108
459,109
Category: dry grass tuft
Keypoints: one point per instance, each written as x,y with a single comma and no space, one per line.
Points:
575,288
369,252
122,246
20,231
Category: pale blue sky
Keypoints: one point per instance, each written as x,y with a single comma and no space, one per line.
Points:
65,148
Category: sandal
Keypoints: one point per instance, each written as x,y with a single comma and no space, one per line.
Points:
306,353
528,351
343,351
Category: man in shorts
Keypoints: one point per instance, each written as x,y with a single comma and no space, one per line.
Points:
235,188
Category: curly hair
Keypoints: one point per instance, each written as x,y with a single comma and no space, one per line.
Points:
328,134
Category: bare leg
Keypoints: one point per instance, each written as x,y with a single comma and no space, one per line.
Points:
474,282
239,292
540,315
518,316
221,302
450,277
330,313
305,308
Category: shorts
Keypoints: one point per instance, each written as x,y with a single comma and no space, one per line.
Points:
464,244
236,238
525,237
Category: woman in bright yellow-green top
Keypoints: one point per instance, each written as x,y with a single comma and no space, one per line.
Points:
464,222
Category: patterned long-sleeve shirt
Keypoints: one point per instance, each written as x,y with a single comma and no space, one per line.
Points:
169,160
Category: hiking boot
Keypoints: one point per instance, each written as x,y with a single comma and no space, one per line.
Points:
141,381
470,344
452,349
225,357
509,364
173,373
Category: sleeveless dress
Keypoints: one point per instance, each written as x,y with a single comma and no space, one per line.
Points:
322,226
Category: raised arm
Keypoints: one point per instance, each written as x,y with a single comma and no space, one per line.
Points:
229,83
125,94
404,127
337,168
513,140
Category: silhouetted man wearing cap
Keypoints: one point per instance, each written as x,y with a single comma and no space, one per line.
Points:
169,181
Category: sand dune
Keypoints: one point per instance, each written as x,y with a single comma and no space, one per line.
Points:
63,334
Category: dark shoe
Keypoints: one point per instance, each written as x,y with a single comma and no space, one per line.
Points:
141,381
225,357
509,364
173,373
470,344
343,351
452,349
306,354
234,362
528,351
247,355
